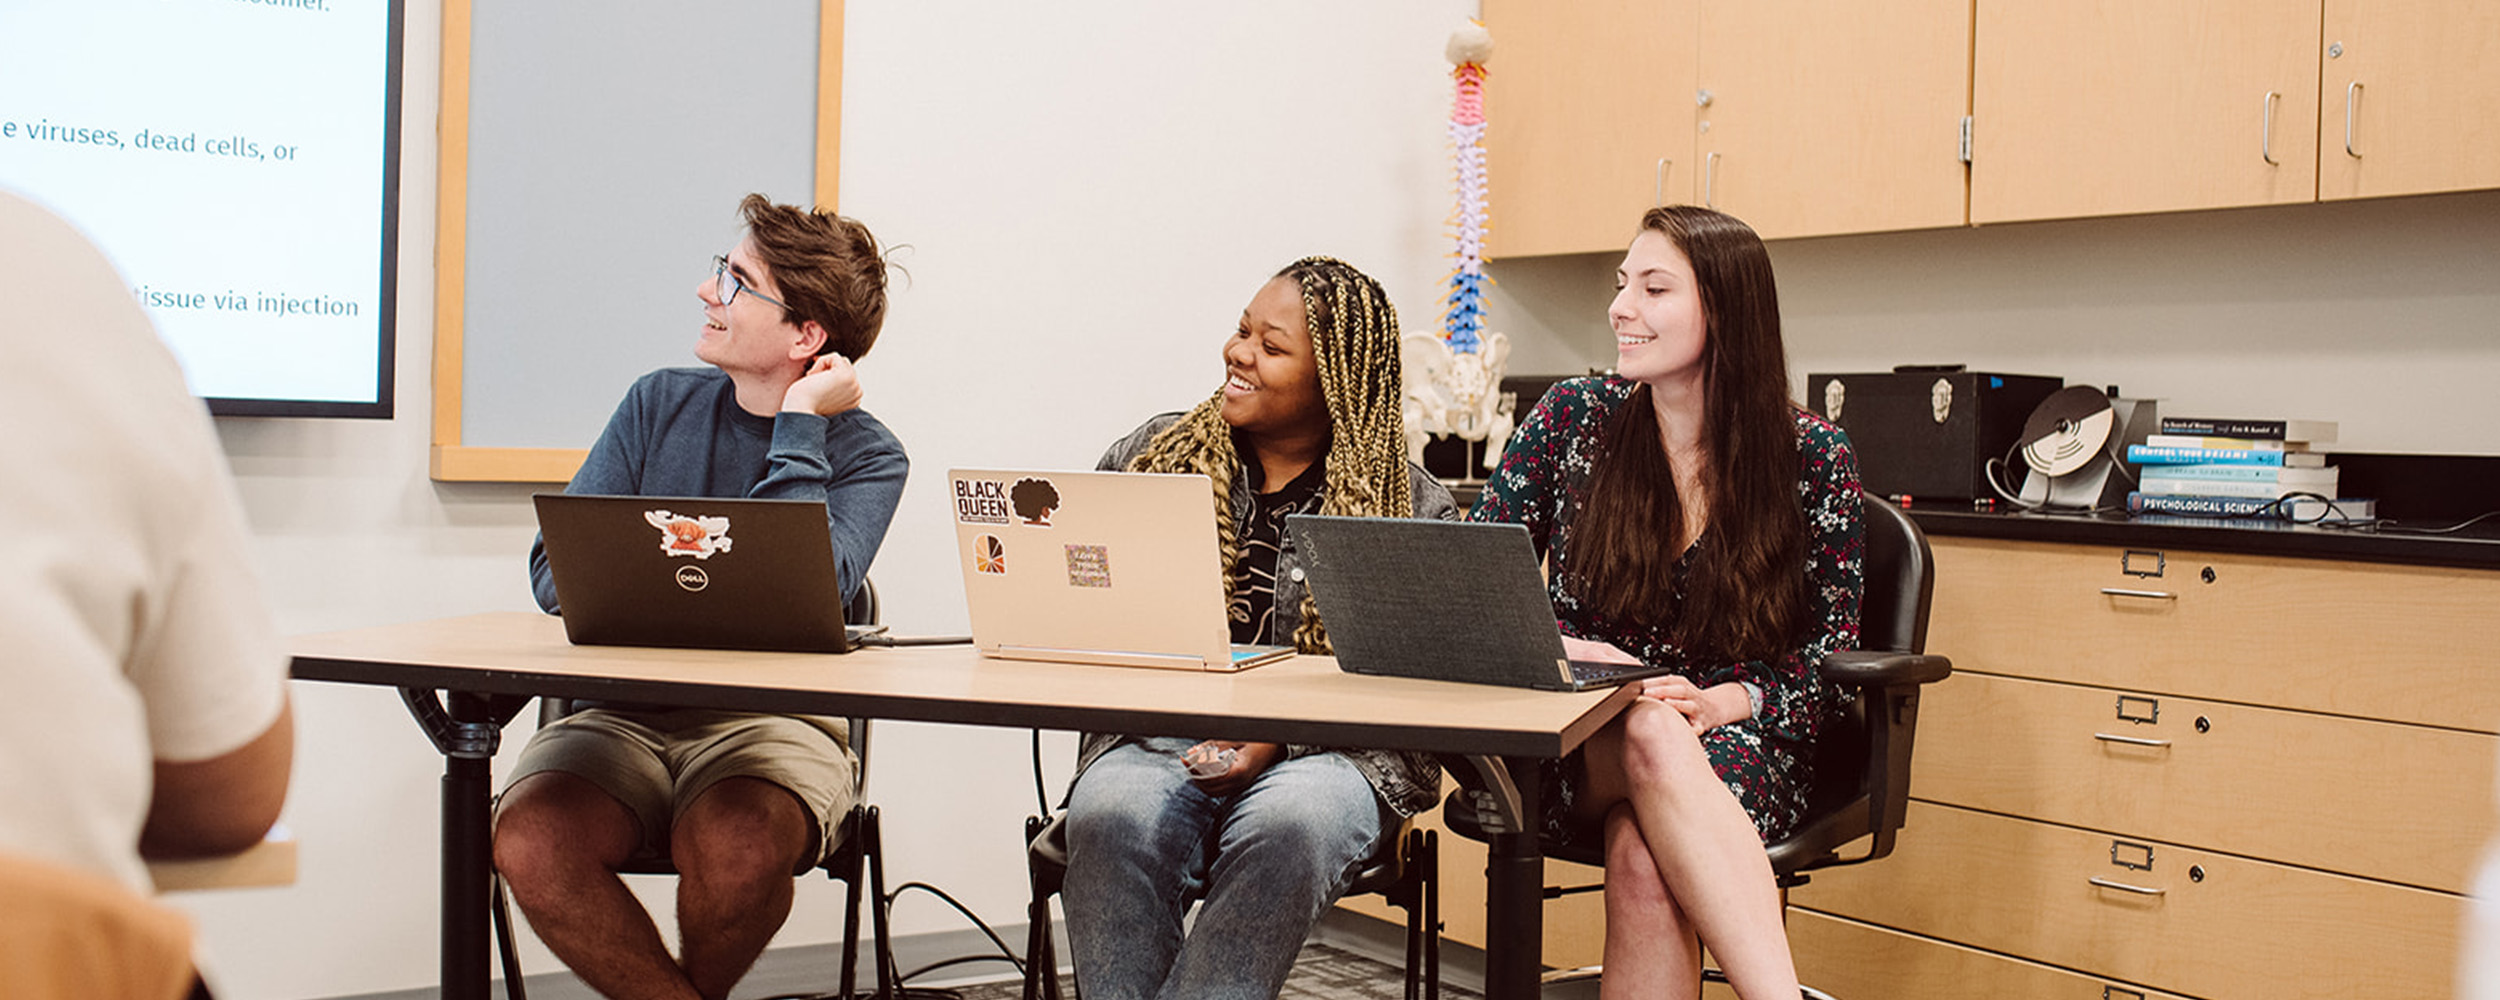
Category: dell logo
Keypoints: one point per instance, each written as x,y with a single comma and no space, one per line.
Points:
693,577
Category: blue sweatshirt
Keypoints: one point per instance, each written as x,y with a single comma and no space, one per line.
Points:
680,432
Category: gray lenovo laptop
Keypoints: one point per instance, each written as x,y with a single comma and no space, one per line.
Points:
1441,600
694,572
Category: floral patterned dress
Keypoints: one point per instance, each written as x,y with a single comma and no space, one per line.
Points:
1766,760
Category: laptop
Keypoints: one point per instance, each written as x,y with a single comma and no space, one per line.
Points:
1117,568
1441,600
694,572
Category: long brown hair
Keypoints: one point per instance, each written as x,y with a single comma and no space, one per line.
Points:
1746,595
1354,344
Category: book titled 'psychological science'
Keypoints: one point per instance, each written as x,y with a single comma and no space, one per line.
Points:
2303,509
2266,430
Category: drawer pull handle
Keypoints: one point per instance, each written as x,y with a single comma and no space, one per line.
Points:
2123,887
2157,595
2133,741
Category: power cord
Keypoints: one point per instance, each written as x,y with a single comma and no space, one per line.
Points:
1005,954
2387,527
1994,466
903,990
1041,797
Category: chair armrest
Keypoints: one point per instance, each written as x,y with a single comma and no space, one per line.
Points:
1878,668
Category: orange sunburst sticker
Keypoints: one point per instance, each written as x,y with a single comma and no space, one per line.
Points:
989,555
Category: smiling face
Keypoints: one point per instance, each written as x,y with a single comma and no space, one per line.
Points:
1271,376
1661,330
749,335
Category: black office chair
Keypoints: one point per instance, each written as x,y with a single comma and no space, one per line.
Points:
1862,761
858,858
1405,872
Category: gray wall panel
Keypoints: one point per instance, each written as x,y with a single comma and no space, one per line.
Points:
609,144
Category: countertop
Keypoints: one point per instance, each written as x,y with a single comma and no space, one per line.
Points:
2477,547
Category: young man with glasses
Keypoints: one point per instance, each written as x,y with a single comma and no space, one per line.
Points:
739,803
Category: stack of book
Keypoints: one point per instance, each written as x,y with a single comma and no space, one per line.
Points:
2212,467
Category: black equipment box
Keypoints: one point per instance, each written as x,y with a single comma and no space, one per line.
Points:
1930,430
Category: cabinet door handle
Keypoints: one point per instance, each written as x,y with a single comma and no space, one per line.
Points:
1658,182
2157,595
1710,181
2133,741
2123,887
2265,138
2352,104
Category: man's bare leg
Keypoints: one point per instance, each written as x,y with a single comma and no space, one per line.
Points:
558,842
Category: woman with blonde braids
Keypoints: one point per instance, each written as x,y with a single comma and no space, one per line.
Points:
1306,422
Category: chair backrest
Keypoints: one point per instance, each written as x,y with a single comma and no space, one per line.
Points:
68,933
1900,581
1862,757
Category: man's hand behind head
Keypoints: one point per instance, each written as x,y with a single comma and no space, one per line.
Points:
830,386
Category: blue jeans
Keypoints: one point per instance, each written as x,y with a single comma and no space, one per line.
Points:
1143,841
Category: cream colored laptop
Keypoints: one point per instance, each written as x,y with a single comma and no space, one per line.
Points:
1117,568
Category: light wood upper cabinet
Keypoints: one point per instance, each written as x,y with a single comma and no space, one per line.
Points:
1590,120
2112,107
1828,118
2414,88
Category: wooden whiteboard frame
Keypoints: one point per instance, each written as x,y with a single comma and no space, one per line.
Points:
450,460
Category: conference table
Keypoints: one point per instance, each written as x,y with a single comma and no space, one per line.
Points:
465,678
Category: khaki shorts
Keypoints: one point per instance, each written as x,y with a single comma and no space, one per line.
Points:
657,763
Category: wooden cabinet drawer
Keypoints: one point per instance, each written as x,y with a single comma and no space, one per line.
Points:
1861,961
2403,643
2207,924
2405,803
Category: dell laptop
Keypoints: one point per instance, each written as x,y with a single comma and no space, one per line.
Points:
1114,568
1441,600
694,572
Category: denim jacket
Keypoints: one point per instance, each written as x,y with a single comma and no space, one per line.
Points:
1408,782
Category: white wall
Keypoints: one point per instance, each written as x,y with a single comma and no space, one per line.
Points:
2381,315
1091,192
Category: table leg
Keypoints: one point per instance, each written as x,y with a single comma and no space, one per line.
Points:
468,790
467,729
1514,898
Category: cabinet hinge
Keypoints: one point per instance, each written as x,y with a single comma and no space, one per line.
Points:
1966,138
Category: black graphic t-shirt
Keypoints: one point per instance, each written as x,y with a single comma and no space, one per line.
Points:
1253,605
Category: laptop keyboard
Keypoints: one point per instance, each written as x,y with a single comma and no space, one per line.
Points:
1594,672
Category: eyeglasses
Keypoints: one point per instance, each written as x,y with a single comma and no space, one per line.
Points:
726,285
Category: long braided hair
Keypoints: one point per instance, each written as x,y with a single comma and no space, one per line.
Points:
1354,344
